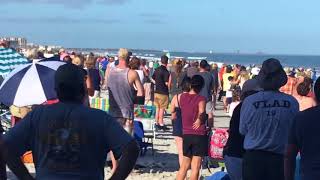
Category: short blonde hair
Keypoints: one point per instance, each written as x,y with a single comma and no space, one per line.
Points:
123,53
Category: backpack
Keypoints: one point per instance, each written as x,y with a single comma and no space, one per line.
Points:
218,140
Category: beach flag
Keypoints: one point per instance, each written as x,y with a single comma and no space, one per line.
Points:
9,60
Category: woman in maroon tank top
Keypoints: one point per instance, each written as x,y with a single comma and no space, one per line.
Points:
195,139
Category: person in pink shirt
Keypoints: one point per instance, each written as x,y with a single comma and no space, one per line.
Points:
303,90
195,139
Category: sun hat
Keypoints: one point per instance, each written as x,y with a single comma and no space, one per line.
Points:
272,75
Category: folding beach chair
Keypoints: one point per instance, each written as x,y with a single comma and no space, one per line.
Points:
143,140
146,115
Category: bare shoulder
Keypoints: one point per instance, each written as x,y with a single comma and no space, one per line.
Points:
133,75
174,98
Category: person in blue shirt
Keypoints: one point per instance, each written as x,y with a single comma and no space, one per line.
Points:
265,119
69,140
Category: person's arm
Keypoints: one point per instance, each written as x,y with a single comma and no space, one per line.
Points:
153,77
14,162
134,78
145,71
201,116
291,153
221,82
124,147
106,75
173,106
170,82
90,88
290,161
166,78
127,161
212,86
14,144
244,114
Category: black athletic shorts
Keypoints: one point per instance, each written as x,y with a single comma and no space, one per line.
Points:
195,145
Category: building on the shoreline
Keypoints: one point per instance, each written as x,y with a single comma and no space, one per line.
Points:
16,42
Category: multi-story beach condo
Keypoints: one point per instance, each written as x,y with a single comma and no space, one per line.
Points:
15,42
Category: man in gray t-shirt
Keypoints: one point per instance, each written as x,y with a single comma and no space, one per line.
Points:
265,120
207,90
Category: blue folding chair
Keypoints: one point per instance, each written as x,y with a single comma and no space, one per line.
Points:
144,141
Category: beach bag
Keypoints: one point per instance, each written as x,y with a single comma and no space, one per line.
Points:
218,140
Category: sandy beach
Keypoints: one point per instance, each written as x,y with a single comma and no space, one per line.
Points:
164,163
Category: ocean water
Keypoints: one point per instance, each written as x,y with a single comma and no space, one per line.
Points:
304,61
246,59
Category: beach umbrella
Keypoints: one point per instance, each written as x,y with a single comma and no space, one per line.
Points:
9,60
30,84
53,58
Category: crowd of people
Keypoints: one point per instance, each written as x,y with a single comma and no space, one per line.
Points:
70,140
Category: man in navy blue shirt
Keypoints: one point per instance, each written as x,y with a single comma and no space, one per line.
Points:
304,138
69,140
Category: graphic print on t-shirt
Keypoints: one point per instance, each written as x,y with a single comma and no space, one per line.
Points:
64,142
270,111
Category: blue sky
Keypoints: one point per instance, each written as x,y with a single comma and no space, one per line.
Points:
273,26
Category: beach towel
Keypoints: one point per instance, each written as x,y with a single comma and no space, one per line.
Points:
100,103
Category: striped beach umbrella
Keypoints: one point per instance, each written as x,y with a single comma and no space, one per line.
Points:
30,84
9,60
